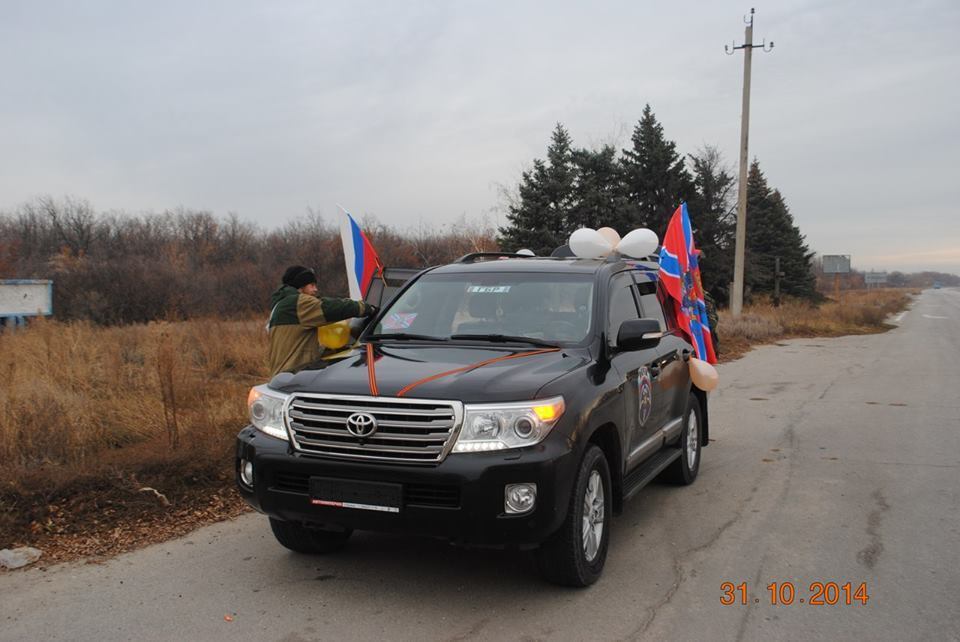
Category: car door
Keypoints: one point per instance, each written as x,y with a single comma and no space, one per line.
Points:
670,367
640,385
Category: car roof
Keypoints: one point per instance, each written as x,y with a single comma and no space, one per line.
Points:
547,264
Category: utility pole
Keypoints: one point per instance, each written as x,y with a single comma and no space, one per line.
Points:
736,292
777,275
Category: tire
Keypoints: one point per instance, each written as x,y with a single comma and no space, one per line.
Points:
312,541
565,558
683,472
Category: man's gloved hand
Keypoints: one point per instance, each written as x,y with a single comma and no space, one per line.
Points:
370,311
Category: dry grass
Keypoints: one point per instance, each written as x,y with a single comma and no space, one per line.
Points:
856,312
70,391
90,415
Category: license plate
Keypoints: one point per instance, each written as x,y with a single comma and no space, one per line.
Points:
356,494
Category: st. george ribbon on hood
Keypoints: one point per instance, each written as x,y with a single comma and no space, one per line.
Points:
588,243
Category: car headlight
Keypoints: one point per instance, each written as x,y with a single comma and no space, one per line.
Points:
266,411
503,426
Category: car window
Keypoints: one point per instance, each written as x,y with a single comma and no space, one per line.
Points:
666,305
623,304
554,307
650,309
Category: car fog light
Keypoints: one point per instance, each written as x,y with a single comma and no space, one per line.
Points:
519,498
246,472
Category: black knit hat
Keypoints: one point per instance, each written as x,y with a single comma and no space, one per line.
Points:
298,276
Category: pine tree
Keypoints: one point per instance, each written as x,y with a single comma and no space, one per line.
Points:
538,220
655,179
713,219
598,199
772,233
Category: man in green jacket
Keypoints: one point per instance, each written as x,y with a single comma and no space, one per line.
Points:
296,314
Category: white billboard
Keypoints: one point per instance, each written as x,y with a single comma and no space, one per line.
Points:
836,263
26,298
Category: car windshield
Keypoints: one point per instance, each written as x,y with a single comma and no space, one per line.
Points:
543,307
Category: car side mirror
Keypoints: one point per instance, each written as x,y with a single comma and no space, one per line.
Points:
639,334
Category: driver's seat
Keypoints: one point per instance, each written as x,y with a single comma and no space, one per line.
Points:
483,308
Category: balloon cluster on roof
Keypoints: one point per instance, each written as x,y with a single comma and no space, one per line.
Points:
588,243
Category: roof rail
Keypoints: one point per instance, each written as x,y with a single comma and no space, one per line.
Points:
613,257
473,256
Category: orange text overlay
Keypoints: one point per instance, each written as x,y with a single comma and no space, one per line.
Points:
819,593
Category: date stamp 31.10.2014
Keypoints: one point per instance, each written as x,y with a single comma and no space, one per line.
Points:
818,593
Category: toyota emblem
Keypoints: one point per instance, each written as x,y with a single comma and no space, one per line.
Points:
361,424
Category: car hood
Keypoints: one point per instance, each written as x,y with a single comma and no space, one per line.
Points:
397,366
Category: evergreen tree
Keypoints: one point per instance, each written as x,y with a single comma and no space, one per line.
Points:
598,199
713,219
655,179
772,233
538,220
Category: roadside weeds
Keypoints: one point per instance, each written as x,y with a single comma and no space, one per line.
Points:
855,312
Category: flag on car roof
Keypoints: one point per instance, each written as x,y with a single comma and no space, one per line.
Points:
362,260
680,275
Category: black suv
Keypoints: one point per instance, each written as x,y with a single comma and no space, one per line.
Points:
496,401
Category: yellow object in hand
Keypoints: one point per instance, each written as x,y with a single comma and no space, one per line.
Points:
334,335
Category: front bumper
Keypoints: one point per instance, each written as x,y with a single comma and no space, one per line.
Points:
460,499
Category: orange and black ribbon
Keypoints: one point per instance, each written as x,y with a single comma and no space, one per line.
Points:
474,366
372,370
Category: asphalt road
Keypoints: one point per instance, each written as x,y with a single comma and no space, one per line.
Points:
834,460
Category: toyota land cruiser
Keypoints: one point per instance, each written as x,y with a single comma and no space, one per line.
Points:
499,401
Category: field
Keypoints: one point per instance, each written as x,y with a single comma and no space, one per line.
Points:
116,436
120,436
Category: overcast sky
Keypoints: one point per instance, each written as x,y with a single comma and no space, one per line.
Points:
415,112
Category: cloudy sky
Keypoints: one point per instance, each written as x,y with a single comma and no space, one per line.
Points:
417,112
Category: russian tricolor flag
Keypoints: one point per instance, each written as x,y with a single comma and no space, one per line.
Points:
362,261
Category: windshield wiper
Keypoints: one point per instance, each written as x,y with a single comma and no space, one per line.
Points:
403,336
505,338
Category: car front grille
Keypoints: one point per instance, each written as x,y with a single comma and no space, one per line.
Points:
291,482
408,431
429,495
434,495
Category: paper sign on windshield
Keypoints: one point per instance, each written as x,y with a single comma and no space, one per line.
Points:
488,289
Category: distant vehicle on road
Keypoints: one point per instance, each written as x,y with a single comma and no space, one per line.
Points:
937,285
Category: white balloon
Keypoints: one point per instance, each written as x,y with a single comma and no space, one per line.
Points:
638,243
525,252
703,375
610,234
589,244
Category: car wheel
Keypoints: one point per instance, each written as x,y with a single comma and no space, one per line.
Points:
575,554
301,539
684,470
